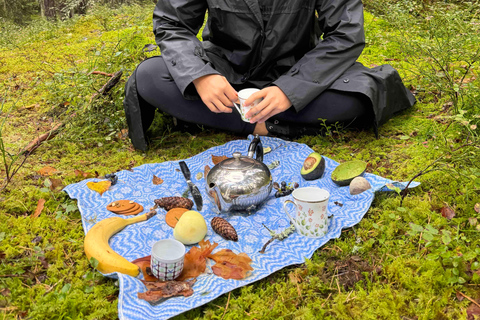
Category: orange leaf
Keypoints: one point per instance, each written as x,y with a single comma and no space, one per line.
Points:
218,159
230,265
144,263
38,210
156,180
196,260
100,186
447,212
46,171
56,183
81,174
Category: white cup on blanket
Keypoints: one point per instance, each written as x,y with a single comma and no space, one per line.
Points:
311,218
242,97
167,259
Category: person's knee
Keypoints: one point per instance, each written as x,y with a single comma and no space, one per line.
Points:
153,67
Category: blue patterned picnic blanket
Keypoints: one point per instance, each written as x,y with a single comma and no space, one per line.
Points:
136,240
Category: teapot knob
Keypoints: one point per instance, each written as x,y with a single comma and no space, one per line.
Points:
237,155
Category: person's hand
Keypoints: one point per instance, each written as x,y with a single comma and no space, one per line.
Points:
215,91
274,102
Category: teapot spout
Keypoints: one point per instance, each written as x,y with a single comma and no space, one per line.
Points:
215,194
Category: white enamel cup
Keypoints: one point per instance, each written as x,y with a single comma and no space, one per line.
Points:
167,259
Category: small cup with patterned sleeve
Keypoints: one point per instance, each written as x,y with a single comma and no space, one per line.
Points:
167,259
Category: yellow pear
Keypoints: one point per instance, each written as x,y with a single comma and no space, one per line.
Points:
191,228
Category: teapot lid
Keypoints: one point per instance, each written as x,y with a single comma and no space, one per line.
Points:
238,162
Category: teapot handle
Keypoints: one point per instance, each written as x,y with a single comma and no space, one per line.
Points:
256,147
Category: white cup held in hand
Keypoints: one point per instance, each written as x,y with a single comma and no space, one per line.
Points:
242,97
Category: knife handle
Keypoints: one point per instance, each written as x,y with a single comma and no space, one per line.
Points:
185,170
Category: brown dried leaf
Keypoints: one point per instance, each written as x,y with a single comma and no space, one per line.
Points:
206,171
46,171
459,296
56,183
143,263
156,180
195,261
230,265
447,212
160,290
473,312
81,174
218,159
44,262
38,210
476,207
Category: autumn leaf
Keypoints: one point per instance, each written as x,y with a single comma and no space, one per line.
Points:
143,263
86,175
156,180
195,261
206,171
163,289
100,186
56,183
229,265
46,171
447,212
38,210
218,159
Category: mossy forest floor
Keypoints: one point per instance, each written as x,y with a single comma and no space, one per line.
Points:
415,260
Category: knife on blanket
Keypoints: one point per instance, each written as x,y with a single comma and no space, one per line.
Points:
197,196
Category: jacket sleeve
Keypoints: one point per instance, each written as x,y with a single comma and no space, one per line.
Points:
175,25
343,41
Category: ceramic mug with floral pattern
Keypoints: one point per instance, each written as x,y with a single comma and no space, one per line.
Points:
312,218
242,97
167,259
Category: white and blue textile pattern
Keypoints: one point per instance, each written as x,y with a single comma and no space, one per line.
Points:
136,240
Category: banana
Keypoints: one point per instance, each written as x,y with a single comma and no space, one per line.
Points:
96,244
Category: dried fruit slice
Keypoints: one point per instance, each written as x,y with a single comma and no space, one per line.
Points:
121,205
173,215
347,171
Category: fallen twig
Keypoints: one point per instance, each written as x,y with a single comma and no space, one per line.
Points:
226,306
102,73
114,79
44,137
470,299
279,236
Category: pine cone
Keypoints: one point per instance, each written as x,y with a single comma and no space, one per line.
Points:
174,202
224,228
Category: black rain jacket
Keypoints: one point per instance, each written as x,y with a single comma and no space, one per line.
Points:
301,46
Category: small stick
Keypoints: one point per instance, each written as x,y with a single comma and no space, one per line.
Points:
102,73
226,307
44,137
266,244
471,300
326,300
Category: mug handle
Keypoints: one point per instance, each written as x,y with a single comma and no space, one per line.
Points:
237,106
286,211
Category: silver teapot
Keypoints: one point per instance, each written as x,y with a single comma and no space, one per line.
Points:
240,183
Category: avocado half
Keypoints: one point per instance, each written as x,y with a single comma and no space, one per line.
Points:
347,171
313,166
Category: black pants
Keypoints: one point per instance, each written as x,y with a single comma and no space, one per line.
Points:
157,89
